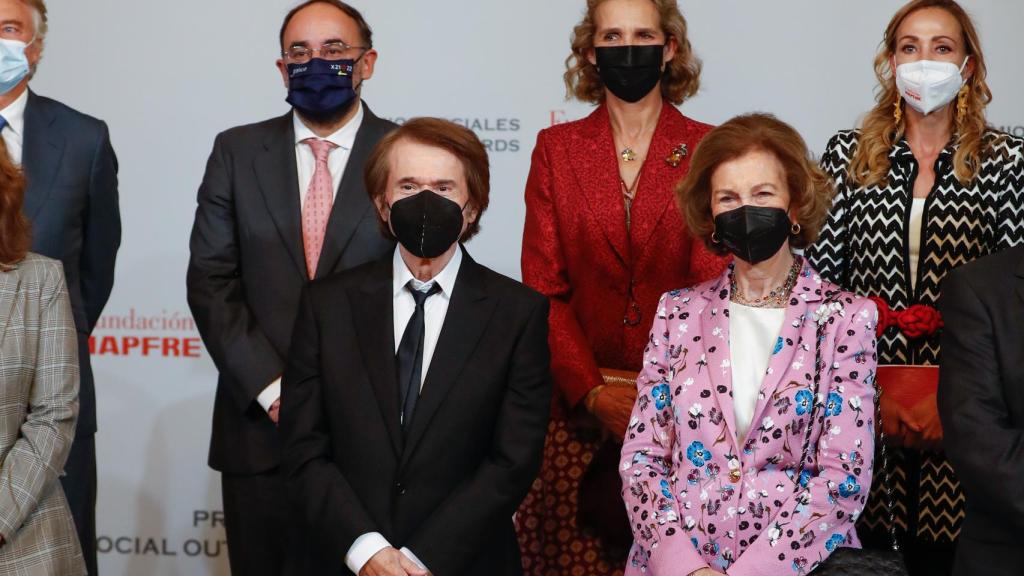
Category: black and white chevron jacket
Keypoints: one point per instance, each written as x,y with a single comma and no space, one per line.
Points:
863,246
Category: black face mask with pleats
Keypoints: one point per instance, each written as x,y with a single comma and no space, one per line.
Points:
630,72
426,224
753,233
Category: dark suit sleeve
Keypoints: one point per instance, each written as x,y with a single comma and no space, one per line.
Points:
216,296
986,451
102,229
453,535
319,494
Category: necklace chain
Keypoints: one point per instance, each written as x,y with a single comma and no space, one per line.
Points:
778,297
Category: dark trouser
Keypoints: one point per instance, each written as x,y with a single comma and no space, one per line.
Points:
256,523
922,557
79,483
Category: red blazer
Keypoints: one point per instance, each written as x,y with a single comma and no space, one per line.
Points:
603,280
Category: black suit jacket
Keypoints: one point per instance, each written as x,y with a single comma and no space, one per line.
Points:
71,199
248,269
981,403
448,490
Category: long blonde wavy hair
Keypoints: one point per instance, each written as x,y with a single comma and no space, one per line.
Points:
880,131
680,80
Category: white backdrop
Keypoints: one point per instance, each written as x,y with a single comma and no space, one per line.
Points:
168,76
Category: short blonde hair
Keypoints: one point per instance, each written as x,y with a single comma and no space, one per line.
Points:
810,190
679,81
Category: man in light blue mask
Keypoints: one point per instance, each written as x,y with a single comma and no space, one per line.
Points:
72,201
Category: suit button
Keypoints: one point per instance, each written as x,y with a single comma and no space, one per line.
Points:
734,476
400,488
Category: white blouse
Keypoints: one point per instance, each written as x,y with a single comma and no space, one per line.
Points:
753,339
916,216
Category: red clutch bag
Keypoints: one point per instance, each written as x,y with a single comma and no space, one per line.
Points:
908,385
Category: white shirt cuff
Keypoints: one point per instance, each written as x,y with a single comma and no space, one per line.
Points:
363,549
270,395
408,554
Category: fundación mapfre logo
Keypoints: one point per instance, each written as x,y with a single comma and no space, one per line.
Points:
140,333
498,133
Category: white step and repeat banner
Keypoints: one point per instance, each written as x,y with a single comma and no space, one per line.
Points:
168,76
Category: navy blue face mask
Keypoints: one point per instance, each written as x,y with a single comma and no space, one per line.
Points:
322,90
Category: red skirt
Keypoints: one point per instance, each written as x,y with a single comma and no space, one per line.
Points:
552,542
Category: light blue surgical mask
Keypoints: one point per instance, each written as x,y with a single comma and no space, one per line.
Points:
13,64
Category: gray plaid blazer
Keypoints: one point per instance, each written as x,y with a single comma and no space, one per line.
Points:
38,407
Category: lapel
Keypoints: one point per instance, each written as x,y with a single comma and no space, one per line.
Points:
714,326
350,202
796,333
42,150
656,188
469,313
594,162
373,310
8,291
279,183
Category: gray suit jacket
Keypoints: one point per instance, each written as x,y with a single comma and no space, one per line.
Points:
38,407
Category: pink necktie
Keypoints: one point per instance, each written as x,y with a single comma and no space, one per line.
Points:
317,207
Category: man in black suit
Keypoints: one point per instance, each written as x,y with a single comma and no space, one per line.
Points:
417,392
282,202
981,404
71,199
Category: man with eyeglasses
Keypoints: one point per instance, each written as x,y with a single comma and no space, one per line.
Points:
282,202
71,199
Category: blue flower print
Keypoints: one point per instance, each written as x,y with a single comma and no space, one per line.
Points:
778,346
849,487
697,453
834,406
805,477
695,543
804,401
661,395
711,549
666,490
834,542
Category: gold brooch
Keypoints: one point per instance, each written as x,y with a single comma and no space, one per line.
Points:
677,155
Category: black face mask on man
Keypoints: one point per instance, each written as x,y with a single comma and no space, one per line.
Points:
753,233
630,72
426,224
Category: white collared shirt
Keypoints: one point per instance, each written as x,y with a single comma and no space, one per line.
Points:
305,161
14,132
305,164
434,311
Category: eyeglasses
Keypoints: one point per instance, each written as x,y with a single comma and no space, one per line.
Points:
329,51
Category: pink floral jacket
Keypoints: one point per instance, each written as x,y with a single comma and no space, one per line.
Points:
696,495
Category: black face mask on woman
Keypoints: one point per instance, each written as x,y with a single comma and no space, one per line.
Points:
630,72
753,233
426,224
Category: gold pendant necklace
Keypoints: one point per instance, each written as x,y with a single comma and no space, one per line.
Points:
627,154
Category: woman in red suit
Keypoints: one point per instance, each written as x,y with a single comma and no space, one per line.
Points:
603,241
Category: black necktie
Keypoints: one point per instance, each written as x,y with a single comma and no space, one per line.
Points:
410,354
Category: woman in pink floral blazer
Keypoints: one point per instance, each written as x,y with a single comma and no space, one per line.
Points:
716,475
